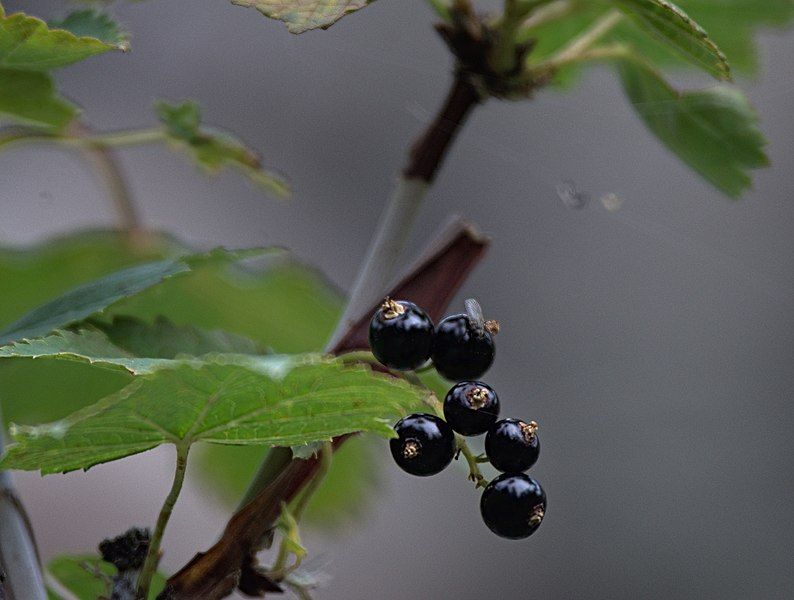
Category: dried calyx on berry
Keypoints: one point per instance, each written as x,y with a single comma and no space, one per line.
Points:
513,505
401,335
471,407
512,445
463,347
424,445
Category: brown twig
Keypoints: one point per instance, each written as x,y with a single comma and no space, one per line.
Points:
432,283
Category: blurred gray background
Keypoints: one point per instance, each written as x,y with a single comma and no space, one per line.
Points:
653,343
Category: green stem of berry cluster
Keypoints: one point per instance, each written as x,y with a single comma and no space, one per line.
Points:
280,570
433,402
153,554
473,461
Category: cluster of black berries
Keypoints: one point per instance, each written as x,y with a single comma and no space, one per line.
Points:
403,337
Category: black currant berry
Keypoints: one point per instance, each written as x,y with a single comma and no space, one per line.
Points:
424,446
401,335
512,446
460,351
471,407
513,505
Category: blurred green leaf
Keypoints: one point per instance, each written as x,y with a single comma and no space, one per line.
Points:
672,25
29,98
714,131
38,273
164,339
356,466
28,44
731,24
90,22
270,400
303,15
213,149
96,296
88,577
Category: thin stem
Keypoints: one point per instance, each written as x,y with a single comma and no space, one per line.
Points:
472,460
153,554
611,51
544,14
105,164
589,37
505,47
279,570
19,558
117,139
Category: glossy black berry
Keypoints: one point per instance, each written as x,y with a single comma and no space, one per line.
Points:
512,446
424,446
460,351
401,335
471,407
513,505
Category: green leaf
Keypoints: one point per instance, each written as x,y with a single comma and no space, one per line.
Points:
98,295
714,131
27,44
164,339
283,305
273,400
731,24
38,273
90,22
29,98
669,23
88,577
303,15
213,149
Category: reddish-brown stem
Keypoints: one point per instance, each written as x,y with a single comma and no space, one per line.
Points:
429,151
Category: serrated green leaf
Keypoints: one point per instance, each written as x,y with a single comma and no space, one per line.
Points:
88,346
29,98
27,44
714,131
284,401
283,305
669,23
97,296
90,22
88,577
213,149
302,15
732,24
